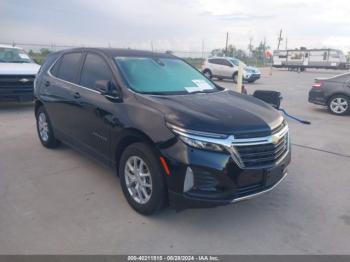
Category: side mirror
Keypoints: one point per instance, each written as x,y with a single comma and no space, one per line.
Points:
271,97
107,89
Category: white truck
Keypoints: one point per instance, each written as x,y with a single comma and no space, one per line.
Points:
309,58
17,74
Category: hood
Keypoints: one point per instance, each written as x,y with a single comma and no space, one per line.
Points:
224,112
251,69
19,68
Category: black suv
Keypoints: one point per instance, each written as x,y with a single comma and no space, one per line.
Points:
173,136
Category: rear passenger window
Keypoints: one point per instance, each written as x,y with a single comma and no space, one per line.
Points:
95,69
67,67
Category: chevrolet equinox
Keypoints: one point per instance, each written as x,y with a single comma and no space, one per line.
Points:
172,135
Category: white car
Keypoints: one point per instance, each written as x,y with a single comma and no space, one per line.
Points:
17,74
227,68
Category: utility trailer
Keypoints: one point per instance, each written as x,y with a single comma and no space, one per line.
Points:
309,58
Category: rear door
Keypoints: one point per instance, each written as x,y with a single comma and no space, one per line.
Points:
227,68
214,66
59,92
93,120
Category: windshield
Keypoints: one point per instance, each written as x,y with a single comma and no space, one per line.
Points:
162,76
13,55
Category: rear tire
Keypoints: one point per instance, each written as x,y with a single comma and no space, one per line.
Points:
44,128
207,73
141,178
339,105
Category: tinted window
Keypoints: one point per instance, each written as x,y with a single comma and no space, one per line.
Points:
225,62
95,69
68,67
214,61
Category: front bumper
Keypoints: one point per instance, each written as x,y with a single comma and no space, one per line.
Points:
252,77
218,180
17,87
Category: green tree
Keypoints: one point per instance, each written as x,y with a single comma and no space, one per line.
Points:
45,51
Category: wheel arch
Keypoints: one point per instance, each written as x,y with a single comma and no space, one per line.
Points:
335,94
130,136
37,104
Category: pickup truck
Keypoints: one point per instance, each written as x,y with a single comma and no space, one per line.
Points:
17,74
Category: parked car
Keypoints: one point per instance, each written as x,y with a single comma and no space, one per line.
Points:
173,136
227,68
333,92
17,73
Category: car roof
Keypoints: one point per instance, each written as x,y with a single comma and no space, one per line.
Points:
222,57
114,52
9,46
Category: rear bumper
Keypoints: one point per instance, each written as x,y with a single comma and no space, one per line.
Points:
317,96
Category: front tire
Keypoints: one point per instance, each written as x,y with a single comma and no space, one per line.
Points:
141,179
235,78
339,105
44,128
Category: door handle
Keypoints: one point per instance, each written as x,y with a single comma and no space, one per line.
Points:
47,83
76,95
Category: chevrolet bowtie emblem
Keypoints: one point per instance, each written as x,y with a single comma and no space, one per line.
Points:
275,139
24,80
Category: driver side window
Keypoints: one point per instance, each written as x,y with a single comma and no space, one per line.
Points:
95,69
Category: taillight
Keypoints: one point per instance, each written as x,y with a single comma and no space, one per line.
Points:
317,84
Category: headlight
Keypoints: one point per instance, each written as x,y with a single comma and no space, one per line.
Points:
200,140
201,144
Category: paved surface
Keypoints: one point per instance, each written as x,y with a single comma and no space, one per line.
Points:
60,202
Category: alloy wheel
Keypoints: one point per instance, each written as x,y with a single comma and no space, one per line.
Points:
43,127
138,179
339,105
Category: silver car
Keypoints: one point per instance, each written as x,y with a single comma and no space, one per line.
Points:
227,68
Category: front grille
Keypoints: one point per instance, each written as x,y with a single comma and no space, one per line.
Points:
16,84
266,154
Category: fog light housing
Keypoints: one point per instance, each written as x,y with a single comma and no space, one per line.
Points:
189,180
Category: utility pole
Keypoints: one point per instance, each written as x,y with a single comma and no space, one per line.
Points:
279,40
202,48
250,47
152,46
226,44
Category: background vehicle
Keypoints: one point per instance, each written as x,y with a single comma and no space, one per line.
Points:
332,92
227,68
172,134
17,73
309,58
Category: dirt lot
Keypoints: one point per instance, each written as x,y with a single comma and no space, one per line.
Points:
61,202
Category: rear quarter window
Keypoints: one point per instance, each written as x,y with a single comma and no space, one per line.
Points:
67,67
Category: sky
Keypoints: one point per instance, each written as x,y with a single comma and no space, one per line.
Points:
192,25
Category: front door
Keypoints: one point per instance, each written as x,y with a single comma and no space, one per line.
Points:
95,115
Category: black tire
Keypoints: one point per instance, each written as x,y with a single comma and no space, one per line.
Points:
158,197
235,77
342,99
207,73
50,141
251,81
